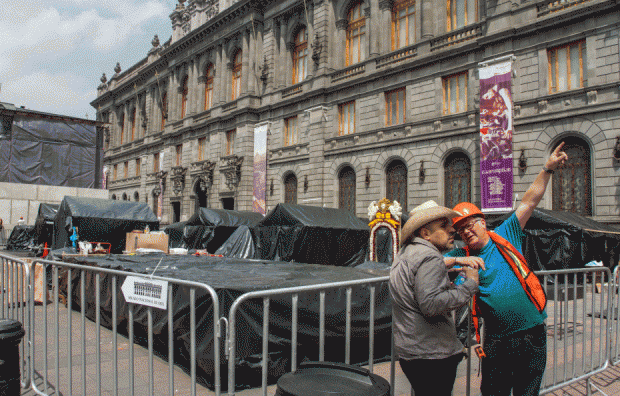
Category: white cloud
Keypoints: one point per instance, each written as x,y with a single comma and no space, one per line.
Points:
52,53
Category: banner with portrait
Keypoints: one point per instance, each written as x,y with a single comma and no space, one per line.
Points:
260,169
496,129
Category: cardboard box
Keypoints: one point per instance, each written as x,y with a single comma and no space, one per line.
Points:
151,240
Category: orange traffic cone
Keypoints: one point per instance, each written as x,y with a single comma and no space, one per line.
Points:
45,251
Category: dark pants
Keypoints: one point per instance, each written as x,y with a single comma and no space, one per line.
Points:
516,363
431,377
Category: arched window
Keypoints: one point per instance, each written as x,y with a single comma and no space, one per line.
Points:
356,35
164,109
403,23
184,92
346,189
290,188
236,76
300,56
133,124
209,87
136,196
572,188
125,197
457,179
114,197
396,183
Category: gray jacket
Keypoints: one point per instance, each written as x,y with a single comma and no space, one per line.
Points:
422,300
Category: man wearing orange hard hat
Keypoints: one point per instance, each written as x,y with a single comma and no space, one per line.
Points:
510,298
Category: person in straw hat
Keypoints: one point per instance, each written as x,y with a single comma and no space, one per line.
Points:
423,297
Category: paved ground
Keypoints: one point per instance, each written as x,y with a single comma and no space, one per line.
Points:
608,380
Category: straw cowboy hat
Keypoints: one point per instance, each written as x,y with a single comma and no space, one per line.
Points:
424,214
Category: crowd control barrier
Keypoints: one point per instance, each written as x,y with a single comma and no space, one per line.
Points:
15,301
293,295
67,350
64,346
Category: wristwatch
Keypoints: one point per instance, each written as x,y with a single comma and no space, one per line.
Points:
549,171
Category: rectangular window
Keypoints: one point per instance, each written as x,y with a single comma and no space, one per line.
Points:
403,23
138,167
201,148
179,154
122,128
115,173
395,107
290,131
566,67
126,170
346,118
455,93
156,162
230,142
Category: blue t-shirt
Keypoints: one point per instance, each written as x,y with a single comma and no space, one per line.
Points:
505,306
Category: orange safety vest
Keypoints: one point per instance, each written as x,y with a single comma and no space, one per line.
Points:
530,283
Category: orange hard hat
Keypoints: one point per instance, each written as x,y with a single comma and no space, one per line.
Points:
465,211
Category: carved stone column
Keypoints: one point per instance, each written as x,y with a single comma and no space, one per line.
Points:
385,9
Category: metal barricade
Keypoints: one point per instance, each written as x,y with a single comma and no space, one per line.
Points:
111,361
15,303
294,293
615,324
578,327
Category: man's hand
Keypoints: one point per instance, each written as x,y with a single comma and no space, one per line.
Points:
471,262
557,158
470,273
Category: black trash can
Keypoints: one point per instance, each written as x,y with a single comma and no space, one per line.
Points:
326,378
11,333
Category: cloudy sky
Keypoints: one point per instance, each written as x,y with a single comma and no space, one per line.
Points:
53,52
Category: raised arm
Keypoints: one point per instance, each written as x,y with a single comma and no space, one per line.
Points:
534,194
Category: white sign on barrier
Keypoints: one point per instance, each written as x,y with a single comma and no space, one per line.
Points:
149,292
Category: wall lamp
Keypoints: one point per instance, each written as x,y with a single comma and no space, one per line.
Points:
617,149
522,161
422,172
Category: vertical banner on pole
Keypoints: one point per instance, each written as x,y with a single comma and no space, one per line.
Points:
260,169
496,121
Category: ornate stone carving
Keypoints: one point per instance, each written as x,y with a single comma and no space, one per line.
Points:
155,41
206,175
317,48
161,179
232,171
264,70
342,24
542,106
117,68
178,179
592,97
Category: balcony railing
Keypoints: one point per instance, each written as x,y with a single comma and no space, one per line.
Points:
295,89
549,6
457,36
349,72
397,56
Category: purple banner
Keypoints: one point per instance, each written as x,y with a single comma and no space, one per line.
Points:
496,116
260,169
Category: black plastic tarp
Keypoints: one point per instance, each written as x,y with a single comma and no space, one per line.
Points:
231,278
23,237
51,152
310,234
44,223
175,234
210,228
101,220
560,240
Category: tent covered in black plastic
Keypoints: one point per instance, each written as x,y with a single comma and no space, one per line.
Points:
175,234
560,240
210,228
100,220
23,237
232,278
313,235
44,223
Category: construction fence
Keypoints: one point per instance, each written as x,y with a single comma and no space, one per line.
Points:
82,338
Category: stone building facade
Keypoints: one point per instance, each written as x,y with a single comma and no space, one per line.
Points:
364,99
